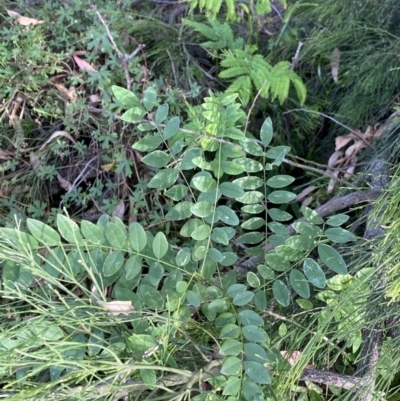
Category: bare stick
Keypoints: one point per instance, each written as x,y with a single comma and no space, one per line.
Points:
296,56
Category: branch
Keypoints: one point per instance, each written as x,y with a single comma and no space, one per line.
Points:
329,208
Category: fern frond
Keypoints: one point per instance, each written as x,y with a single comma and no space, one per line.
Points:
263,7
301,89
230,6
243,87
215,7
203,29
233,72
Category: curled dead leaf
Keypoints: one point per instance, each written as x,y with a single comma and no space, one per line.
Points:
25,21
5,155
67,94
82,64
117,307
343,140
304,193
64,183
335,61
119,210
57,134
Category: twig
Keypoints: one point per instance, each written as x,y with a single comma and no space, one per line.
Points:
329,208
335,121
252,106
124,58
296,55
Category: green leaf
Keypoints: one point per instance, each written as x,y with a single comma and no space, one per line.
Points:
43,233
278,228
193,298
227,215
251,147
160,245
280,181
133,114
257,372
277,152
231,151
304,303
251,391
180,211
253,209
150,296
280,197
222,235
201,232
137,237
187,160
177,192
306,228
311,215
253,280
69,229
149,378
254,334
92,232
140,343
171,128
115,235
266,133
232,386
183,257
249,317
231,366
253,237
254,352
231,190
277,262
231,347
332,259
251,197
156,159
148,143
281,292
260,300
215,255
204,183
253,224
149,98
190,226
339,235
156,273
164,178
242,298
133,267
279,215
202,209
161,113
249,182
113,263
301,242
314,273
231,168
126,97
249,165
235,289
299,283
230,330
266,272
337,220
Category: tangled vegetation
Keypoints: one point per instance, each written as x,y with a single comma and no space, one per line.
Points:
199,200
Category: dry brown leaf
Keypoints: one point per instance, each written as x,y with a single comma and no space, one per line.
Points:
57,134
34,160
343,140
353,150
307,201
4,155
304,193
332,182
67,94
17,190
335,61
119,210
64,183
349,171
293,358
94,99
82,64
25,21
334,159
117,307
